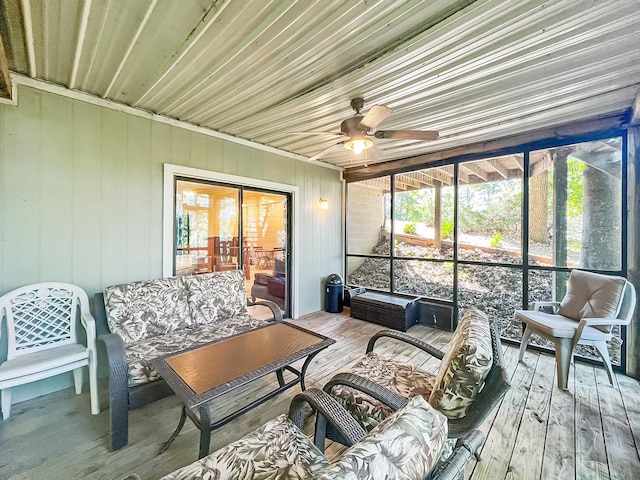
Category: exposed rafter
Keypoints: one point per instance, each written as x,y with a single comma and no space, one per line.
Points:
5,77
475,170
540,163
496,164
406,182
423,178
439,175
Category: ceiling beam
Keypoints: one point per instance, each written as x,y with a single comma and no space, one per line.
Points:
5,76
635,111
422,161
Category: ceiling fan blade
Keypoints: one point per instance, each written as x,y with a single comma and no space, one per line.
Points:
374,116
407,134
333,134
319,154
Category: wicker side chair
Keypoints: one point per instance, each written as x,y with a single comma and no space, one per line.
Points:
370,399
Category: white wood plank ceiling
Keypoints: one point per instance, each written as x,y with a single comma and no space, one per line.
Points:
263,70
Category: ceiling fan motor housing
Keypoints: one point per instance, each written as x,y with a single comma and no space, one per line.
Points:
357,104
350,126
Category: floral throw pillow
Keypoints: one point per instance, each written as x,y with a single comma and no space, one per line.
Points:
464,367
214,297
147,309
276,450
406,445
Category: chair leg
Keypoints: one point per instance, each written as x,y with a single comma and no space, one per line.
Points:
604,354
6,403
93,387
77,380
564,354
525,341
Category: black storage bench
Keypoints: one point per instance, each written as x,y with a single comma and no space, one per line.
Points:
399,312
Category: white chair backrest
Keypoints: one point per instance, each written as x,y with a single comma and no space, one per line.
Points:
628,303
41,316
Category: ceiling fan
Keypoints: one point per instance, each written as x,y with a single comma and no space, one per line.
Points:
360,127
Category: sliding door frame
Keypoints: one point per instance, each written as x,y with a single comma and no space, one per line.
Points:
171,172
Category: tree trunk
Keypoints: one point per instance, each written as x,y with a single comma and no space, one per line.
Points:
601,222
538,208
560,217
437,217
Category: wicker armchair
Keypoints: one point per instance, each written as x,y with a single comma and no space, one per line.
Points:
367,397
280,449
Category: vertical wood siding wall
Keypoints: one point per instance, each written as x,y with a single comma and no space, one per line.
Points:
81,195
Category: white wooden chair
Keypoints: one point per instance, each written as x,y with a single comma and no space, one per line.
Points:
42,342
594,303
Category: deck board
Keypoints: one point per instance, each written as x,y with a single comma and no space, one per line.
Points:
558,460
591,458
618,437
592,430
526,461
500,440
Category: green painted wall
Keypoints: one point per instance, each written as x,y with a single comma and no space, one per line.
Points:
81,198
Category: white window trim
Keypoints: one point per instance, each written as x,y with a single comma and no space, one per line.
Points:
172,171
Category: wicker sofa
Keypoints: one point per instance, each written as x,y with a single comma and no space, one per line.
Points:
410,444
143,320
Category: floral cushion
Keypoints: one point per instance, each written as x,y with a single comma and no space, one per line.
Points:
147,309
276,451
464,367
140,353
214,297
402,378
407,445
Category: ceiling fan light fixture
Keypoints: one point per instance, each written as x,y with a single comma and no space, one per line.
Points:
358,144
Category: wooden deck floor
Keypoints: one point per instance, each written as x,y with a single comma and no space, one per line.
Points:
538,432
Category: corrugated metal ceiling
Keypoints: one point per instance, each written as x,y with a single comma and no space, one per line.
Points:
265,70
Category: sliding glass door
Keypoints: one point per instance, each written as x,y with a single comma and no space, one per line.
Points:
227,227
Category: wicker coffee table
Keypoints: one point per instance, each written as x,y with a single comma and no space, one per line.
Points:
202,374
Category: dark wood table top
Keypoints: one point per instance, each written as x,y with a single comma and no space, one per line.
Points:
201,374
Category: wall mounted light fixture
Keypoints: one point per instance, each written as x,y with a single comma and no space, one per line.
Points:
324,203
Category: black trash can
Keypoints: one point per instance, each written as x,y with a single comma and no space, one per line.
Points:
334,289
